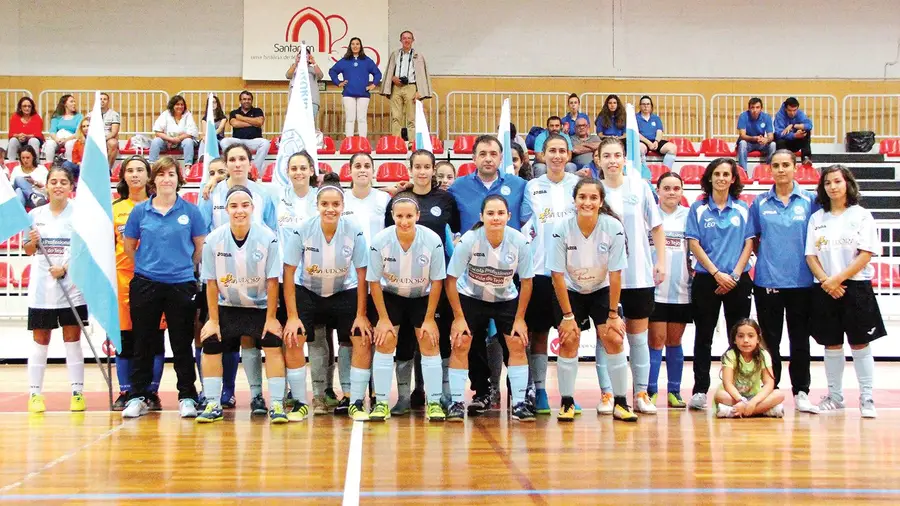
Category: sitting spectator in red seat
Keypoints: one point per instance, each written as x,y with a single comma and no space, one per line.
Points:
111,123
755,133
78,150
63,126
521,162
356,74
584,143
174,129
29,179
315,75
650,127
246,128
793,129
25,128
554,126
610,121
219,120
445,173
570,119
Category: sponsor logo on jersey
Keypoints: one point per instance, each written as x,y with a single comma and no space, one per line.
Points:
223,254
490,276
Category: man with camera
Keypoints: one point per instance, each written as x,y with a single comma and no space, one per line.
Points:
409,81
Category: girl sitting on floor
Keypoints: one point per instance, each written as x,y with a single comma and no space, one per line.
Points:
748,384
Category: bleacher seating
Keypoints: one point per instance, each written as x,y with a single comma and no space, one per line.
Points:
437,145
390,145
715,148
691,174
806,174
355,144
192,197
747,198
656,170
465,169
328,147
763,174
345,173
324,167
7,276
195,173
392,172
886,276
12,243
25,279
685,146
464,144
889,147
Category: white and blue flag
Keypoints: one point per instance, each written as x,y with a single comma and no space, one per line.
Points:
423,135
15,219
634,166
299,130
92,264
503,133
212,142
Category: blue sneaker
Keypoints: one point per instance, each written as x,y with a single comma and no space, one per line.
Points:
541,402
577,408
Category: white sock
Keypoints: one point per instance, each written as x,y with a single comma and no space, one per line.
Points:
618,373
864,363
75,365
37,364
834,373
296,378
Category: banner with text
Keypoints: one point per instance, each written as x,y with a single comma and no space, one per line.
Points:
275,29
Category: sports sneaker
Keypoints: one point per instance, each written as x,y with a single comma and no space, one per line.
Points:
212,413
567,410
829,403
187,408
342,407
319,406
380,413
277,414
725,411
331,398
135,408
802,404
867,407
479,405
698,402
153,402
456,412
77,403
541,402
121,400
297,414
417,399
401,408
495,398
228,402
358,412
642,404
675,401
434,412
530,398
623,413
775,411
606,405
521,413
288,401
36,404
258,406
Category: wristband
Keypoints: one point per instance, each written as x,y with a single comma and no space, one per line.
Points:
717,271
613,317
569,317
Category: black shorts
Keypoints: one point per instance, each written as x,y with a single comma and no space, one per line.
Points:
49,319
478,313
537,316
403,311
586,307
236,322
671,313
855,314
444,318
637,303
336,311
659,146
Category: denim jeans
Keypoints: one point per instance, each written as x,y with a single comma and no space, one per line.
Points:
12,150
744,147
157,145
24,190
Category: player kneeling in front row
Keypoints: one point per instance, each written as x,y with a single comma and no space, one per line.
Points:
241,267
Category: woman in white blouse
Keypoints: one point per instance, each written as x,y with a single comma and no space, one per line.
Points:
174,129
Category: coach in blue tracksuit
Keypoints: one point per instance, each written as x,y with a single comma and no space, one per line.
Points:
352,73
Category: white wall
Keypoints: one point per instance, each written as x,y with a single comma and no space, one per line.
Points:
646,38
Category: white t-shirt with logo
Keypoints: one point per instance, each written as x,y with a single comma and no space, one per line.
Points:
368,213
837,240
44,291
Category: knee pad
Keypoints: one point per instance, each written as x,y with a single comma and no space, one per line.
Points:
271,340
212,346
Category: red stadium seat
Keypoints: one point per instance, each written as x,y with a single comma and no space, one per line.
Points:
390,145
114,172
745,179
465,169
327,146
13,242
762,174
685,147
691,174
254,172
437,145
195,173
26,277
267,174
886,276
10,166
684,201
345,173
355,144
748,198
192,197
889,147
392,172
656,170
7,276
806,174
715,147
464,144
324,167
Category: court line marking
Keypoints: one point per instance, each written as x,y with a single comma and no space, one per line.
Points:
59,460
446,493
354,466
507,461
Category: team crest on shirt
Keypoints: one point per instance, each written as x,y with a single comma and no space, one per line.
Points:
257,255
653,123
603,247
422,260
505,191
510,258
436,211
762,125
347,251
798,210
630,199
735,221
183,219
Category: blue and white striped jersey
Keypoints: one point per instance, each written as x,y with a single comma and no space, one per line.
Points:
406,273
633,201
291,212
547,203
676,288
215,214
587,261
324,267
486,273
241,273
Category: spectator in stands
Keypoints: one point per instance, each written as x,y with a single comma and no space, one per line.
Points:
74,166
356,74
409,81
25,128
611,120
112,120
570,120
515,136
315,75
246,128
29,179
63,125
755,133
554,126
521,162
793,129
219,120
174,129
650,127
584,143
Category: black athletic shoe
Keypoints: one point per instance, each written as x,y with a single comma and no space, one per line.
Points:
521,413
288,401
258,406
153,402
417,400
480,404
456,412
342,407
119,405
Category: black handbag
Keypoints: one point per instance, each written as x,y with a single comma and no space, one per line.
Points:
860,142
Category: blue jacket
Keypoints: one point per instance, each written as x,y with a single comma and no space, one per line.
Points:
782,121
356,72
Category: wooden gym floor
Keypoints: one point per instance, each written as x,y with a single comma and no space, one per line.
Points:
676,457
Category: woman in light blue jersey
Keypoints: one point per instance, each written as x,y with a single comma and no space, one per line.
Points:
480,287
240,267
327,254
586,257
405,274
672,298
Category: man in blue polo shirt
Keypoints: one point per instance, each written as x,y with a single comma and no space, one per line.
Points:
554,126
783,282
755,133
793,129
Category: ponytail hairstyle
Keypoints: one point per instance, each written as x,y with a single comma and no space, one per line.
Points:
122,187
313,179
330,181
430,155
484,203
759,362
604,207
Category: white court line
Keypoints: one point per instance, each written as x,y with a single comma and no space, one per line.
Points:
60,460
354,466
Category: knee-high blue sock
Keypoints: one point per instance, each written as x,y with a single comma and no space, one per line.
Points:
518,382
669,160
230,362
640,360
159,364
359,380
458,379
602,368
618,373
382,370
432,376
296,378
655,363
123,373
567,372
674,368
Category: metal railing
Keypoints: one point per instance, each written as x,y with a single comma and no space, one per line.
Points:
138,108
683,114
331,115
9,98
724,110
478,112
876,113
